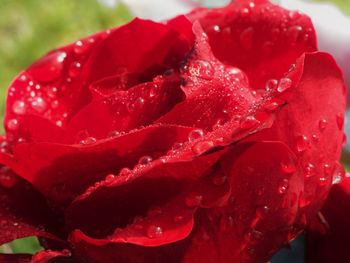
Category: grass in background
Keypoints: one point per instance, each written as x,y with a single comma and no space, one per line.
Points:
31,28
344,5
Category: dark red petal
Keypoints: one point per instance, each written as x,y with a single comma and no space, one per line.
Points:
15,258
229,223
127,110
165,225
61,172
260,212
258,37
311,124
23,211
330,244
156,183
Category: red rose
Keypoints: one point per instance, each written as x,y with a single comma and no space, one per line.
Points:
207,138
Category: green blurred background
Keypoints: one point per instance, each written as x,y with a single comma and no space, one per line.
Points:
30,28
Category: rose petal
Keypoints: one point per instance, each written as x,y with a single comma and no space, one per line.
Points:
311,124
258,37
57,86
127,110
15,258
60,171
23,211
157,182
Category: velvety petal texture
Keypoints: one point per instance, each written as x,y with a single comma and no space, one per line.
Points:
212,137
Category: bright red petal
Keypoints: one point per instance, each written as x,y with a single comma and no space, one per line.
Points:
258,37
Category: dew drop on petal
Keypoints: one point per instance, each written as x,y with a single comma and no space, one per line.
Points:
74,69
338,173
322,124
39,105
48,68
88,140
288,167
195,134
12,124
248,123
271,85
309,170
262,211
284,84
283,186
202,146
302,143
154,232
19,107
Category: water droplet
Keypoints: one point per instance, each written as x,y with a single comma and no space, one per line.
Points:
340,121
82,46
271,106
195,134
88,140
202,146
288,167
302,143
48,68
262,211
154,232
283,186
248,123
322,124
125,172
246,38
19,107
284,84
145,160
193,200
245,12
74,69
327,169
217,28
309,170
201,69
338,173
12,124
323,180
110,177
293,34
271,85
38,104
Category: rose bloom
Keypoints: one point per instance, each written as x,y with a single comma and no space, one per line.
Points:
209,138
